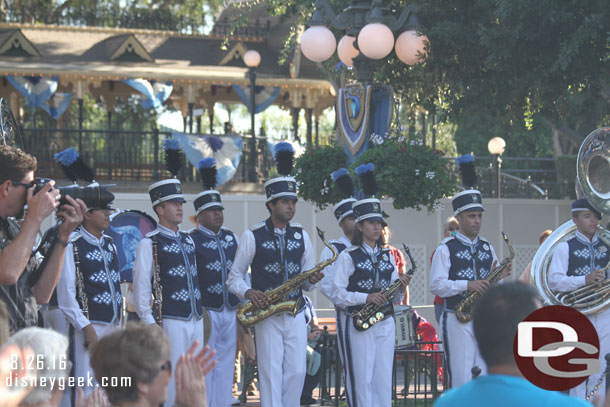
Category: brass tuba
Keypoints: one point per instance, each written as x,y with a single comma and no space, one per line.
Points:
593,179
249,315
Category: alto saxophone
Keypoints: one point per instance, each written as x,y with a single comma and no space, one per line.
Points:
249,315
371,313
157,287
463,310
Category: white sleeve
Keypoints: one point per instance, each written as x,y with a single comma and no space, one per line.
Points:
66,292
308,260
327,284
142,281
439,275
398,295
558,278
238,281
343,271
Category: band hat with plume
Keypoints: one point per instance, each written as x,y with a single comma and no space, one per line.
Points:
369,207
469,200
345,184
467,169
169,190
209,198
284,186
94,195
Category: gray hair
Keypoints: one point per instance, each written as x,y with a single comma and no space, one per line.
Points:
49,348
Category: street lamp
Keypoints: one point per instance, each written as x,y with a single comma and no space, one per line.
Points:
369,36
252,59
496,147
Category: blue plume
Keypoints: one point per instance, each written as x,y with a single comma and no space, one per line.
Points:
173,156
364,168
171,144
339,173
283,146
66,157
466,158
284,158
206,163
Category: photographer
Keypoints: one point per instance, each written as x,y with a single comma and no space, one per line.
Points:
24,282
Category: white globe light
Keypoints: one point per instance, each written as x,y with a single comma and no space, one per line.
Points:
376,40
411,47
252,58
318,43
496,145
346,50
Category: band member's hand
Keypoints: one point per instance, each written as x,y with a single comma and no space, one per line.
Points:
257,297
43,203
90,336
507,271
596,277
478,285
405,279
72,213
315,277
376,298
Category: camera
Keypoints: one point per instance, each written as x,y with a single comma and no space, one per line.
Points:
95,196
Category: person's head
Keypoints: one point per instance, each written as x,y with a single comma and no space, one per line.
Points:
212,218
544,235
496,316
470,222
97,220
386,234
16,174
140,352
282,210
49,348
451,227
468,210
348,224
169,213
585,217
167,199
367,231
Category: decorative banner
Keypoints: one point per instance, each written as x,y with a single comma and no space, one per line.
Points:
155,92
225,149
37,90
57,105
264,96
382,108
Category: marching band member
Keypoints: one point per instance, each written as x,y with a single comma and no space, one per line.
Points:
362,272
165,261
345,217
460,265
579,262
276,250
215,248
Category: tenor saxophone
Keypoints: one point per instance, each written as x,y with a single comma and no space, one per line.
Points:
463,310
249,315
371,313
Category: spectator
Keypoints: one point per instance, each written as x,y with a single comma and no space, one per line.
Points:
312,378
525,277
496,316
399,258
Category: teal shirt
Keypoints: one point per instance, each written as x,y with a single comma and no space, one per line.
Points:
505,391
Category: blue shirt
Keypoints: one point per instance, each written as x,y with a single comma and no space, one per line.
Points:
509,391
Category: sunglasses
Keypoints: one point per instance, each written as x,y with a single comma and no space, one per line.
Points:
167,366
21,184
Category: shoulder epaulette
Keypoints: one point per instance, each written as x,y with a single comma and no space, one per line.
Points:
295,225
257,226
190,231
74,236
107,237
447,239
151,234
335,241
352,248
226,229
483,240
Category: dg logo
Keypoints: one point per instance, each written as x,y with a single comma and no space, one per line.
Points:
557,348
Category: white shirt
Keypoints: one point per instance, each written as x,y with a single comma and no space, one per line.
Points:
327,286
142,276
66,286
239,281
344,270
441,263
558,278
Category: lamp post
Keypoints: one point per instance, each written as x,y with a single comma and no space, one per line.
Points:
369,36
252,59
496,147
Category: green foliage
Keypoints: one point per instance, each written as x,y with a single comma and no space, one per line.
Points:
313,173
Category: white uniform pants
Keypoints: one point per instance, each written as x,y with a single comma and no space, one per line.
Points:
370,358
601,322
281,347
82,367
341,319
223,339
461,349
181,335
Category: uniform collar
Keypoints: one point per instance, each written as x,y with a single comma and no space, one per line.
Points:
167,231
207,231
369,250
585,239
91,238
465,239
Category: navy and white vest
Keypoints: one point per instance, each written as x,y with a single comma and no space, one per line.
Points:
178,272
277,257
372,273
468,262
99,266
586,257
339,246
215,255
